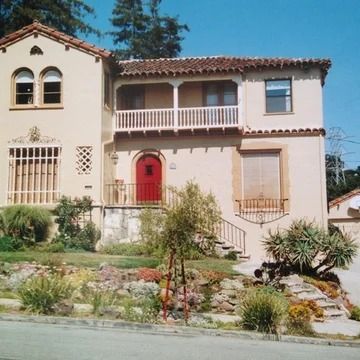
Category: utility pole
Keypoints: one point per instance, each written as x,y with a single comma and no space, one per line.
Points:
334,163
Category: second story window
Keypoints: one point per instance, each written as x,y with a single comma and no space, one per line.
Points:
24,88
51,87
220,94
278,96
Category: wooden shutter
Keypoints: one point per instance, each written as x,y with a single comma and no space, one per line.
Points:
261,175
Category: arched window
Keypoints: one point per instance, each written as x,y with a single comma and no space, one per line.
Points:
51,87
24,87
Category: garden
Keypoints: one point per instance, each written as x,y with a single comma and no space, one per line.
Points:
173,275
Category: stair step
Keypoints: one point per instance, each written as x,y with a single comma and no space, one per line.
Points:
299,290
311,296
227,247
334,313
326,304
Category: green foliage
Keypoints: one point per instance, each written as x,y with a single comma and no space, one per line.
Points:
352,178
355,313
28,223
54,247
308,248
8,243
142,33
66,16
70,217
151,225
143,311
263,310
231,255
125,249
40,294
298,322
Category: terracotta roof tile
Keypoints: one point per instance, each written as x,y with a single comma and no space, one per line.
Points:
37,27
215,64
296,132
343,198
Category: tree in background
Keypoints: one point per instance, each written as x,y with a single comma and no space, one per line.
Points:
339,185
64,15
142,33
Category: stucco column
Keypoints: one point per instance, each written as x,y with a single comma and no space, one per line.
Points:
239,82
176,84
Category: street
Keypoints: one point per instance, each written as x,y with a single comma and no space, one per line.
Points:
41,341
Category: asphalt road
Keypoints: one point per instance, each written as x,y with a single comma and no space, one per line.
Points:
40,341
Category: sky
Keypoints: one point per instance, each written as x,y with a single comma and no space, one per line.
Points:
276,28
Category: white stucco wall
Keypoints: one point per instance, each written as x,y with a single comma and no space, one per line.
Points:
209,161
77,123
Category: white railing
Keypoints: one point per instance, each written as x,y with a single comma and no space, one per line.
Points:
144,119
208,117
187,118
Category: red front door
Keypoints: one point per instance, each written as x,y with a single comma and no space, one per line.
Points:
148,179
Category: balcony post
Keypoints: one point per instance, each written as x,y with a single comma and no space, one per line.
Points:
238,81
176,84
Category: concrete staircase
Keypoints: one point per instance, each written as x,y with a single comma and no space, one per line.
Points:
305,291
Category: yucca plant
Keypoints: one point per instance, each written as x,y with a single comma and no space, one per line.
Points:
41,293
309,249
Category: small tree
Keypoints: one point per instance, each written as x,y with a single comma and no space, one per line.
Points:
190,223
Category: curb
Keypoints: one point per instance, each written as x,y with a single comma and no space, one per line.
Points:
173,330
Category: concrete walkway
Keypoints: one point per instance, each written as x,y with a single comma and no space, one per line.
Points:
350,280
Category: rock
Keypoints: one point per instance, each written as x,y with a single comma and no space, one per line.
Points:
220,297
229,293
226,306
229,284
12,304
110,311
83,308
292,280
203,282
163,294
64,307
214,304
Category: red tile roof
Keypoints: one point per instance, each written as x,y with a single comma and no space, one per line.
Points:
215,64
37,27
343,198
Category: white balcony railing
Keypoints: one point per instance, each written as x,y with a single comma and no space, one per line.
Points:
171,119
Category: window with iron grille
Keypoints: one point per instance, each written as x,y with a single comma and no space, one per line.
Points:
84,156
34,173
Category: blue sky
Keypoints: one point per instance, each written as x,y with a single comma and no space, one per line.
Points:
284,28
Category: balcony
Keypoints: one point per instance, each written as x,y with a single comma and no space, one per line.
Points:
192,118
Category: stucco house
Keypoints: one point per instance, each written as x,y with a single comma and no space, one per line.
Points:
344,212
76,122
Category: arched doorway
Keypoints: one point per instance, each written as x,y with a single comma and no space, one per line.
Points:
148,179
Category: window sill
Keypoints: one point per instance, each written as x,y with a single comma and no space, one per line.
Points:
42,107
280,113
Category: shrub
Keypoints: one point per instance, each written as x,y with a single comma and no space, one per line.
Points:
355,313
125,249
29,223
149,275
299,320
308,248
40,294
142,289
53,247
263,310
214,277
329,288
143,311
231,255
8,243
74,231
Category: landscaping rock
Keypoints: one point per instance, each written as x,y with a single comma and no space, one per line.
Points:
12,304
229,284
83,308
64,307
225,306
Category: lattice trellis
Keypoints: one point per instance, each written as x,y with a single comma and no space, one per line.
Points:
84,160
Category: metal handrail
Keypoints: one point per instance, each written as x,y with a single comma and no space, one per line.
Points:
136,194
